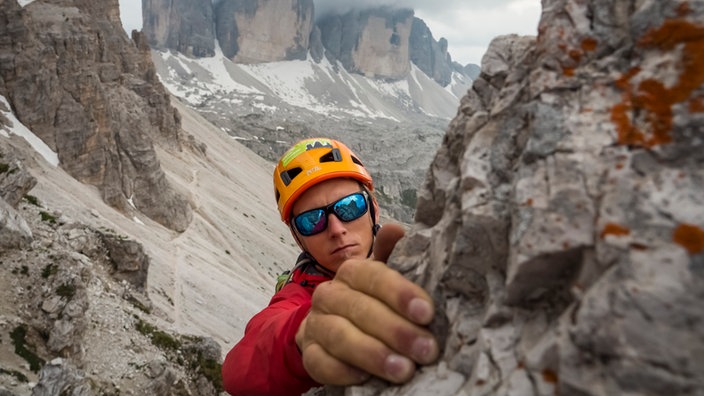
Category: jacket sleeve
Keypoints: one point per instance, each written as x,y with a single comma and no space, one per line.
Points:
266,361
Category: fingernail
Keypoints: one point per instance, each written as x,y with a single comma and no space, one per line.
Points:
420,311
424,349
398,367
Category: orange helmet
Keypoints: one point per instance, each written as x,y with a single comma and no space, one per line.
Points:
310,162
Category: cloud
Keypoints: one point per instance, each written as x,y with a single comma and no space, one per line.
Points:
131,15
468,25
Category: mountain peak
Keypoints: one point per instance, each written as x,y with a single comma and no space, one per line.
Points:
378,42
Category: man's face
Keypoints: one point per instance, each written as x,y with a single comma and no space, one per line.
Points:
339,241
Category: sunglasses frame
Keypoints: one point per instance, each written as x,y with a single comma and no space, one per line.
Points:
330,209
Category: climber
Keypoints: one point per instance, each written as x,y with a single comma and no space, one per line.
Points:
341,315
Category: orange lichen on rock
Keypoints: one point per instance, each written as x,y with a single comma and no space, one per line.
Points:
652,96
575,55
696,105
589,44
689,237
614,229
549,376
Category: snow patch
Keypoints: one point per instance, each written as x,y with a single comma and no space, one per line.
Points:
17,128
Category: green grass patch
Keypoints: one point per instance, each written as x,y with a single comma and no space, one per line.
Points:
160,339
211,370
19,376
32,199
18,340
47,217
49,270
66,290
4,167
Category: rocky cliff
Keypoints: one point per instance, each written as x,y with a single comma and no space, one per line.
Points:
378,42
95,101
75,316
561,226
372,42
429,55
264,31
183,25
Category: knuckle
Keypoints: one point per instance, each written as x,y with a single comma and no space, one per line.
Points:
347,269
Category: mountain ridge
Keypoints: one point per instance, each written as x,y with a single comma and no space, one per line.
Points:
379,42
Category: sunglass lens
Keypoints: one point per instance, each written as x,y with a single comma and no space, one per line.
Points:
311,222
350,207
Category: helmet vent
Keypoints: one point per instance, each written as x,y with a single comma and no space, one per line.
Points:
287,176
332,156
357,161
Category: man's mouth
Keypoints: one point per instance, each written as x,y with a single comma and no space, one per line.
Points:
342,248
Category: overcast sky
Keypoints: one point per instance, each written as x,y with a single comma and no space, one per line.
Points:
468,25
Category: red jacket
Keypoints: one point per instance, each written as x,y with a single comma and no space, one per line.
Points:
266,361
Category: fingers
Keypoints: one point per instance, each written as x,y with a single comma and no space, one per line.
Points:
338,340
326,369
390,287
386,239
377,320
349,326
368,319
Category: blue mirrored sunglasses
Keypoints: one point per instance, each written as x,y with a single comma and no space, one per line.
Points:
346,209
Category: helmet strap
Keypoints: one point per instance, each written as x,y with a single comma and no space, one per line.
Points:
375,226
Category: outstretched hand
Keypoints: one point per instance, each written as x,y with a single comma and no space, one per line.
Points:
369,320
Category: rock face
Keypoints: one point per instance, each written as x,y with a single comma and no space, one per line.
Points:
264,31
95,101
561,226
429,55
378,42
15,182
74,321
183,25
371,42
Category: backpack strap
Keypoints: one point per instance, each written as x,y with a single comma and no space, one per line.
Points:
307,273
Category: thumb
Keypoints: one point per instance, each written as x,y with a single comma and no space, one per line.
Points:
386,239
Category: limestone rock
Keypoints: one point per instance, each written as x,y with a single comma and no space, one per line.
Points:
429,55
129,260
561,226
183,25
14,231
15,180
264,31
95,101
373,42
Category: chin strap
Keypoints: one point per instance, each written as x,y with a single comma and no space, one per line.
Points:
375,228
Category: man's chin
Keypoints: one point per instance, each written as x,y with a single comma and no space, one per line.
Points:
343,255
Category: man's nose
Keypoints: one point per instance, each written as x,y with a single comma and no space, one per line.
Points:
335,225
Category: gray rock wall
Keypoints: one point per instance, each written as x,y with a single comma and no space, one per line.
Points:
95,101
429,55
373,42
561,226
183,25
264,31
